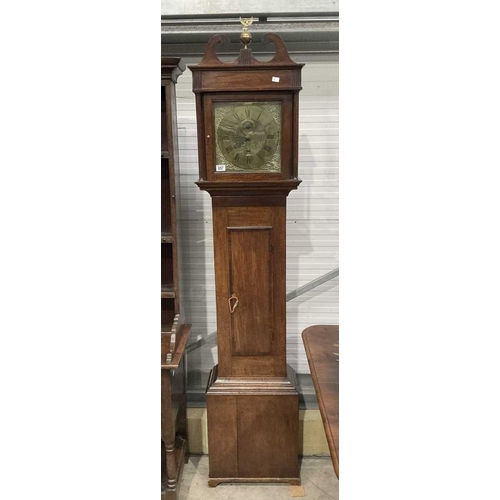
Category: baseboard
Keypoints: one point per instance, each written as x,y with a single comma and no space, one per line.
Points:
312,439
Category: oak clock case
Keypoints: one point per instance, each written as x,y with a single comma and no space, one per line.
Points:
247,121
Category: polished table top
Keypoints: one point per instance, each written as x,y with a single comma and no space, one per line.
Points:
322,348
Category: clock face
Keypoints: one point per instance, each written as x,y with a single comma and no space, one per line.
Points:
247,136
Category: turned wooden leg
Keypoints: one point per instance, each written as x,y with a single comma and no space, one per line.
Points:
168,428
182,418
163,459
171,465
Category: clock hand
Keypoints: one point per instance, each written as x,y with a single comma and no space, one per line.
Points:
243,139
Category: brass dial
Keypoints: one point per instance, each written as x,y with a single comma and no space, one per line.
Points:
248,136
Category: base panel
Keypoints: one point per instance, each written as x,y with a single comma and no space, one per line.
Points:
293,481
253,429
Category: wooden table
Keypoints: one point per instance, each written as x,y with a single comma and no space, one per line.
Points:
322,348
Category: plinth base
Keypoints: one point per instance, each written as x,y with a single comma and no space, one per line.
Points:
253,429
215,481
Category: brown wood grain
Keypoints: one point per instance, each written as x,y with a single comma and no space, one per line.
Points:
213,81
252,401
173,334
167,315
171,69
249,188
286,100
253,429
223,435
250,260
166,212
245,60
183,336
167,265
167,291
166,235
249,201
321,345
264,429
251,255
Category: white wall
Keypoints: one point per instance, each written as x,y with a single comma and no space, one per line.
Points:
207,7
312,215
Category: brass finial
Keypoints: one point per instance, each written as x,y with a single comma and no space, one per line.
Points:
246,37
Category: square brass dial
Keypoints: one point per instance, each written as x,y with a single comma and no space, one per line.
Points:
248,136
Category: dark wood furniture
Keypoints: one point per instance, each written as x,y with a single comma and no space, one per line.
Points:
322,348
174,333
247,119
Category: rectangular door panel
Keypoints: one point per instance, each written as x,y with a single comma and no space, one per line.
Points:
251,282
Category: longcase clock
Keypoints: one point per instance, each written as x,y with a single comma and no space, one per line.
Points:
247,119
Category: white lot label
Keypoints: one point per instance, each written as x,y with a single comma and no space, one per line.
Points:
276,78
220,168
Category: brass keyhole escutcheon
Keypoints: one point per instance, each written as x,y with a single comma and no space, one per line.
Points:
232,307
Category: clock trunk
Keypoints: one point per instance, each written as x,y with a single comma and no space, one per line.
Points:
249,252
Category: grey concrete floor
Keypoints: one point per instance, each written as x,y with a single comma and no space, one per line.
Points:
317,475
